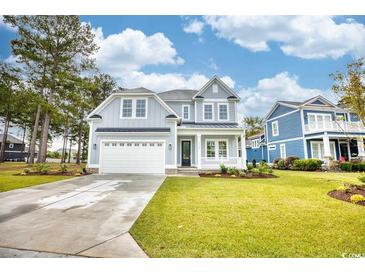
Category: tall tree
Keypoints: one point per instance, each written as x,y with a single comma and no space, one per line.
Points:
54,49
253,125
350,86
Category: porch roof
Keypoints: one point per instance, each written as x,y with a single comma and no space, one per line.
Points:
211,125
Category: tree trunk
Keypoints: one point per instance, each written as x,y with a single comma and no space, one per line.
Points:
5,136
34,136
79,143
64,145
44,138
69,150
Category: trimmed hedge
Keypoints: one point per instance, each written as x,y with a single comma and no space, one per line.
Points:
352,166
307,164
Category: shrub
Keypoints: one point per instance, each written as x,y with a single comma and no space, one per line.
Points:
249,167
270,170
343,189
357,198
289,161
242,173
255,170
346,166
232,171
275,162
360,166
42,168
63,168
27,170
307,164
281,164
223,168
362,179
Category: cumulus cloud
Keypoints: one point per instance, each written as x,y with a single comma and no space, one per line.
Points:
308,37
194,26
132,49
162,82
259,99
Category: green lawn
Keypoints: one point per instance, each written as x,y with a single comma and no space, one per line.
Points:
9,179
289,216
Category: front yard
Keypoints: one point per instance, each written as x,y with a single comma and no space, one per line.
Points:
10,178
289,216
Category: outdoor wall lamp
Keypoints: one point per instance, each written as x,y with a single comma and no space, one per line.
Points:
170,146
94,146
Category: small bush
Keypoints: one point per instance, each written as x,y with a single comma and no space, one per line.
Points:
255,170
357,198
27,170
346,166
42,168
289,161
63,168
223,168
281,164
307,164
232,171
249,167
343,189
353,166
270,170
362,179
242,173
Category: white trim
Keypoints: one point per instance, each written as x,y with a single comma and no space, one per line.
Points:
272,128
285,140
182,112
131,141
207,131
195,114
282,147
235,113
321,98
132,133
315,115
303,129
223,104
254,141
321,142
208,104
134,107
90,143
175,152
282,115
216,150
177,100
191,150
215,100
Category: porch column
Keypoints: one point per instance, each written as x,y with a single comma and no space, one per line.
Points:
243,150
199,147
326,150
360,147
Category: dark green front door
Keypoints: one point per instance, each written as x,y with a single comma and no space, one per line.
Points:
186,153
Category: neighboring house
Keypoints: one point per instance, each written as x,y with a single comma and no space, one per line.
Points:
256,148
14,149
315,128
140,131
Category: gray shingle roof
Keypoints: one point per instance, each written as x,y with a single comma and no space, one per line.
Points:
177,94
135,90
132,129
291,103
11,139
210,125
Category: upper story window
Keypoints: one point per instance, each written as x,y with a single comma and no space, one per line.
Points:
208,111
223,111
275,128
215,88
255,143
134,108
319,120
11,145
186,112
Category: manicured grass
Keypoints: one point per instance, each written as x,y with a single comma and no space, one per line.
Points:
9,179
289,216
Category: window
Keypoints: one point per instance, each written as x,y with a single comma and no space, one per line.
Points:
210,149
127,108
282,151
134,108
255,143
216,149
186,112
215,88
208,111
141,108
275,128
11,145
223,111
319,121
318,150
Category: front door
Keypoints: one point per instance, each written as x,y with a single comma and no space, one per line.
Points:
186,153
344,148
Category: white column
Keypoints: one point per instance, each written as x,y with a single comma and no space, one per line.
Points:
326,149
360,147
199,147
90,145
243,150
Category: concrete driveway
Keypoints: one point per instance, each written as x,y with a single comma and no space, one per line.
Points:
86,216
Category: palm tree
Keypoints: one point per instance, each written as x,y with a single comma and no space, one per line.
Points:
253,125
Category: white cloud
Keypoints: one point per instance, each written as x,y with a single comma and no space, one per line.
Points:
213,65
194,26
258,100
302,36
162,82
3,25
132,50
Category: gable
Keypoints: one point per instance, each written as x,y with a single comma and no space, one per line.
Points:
215,90
280,110
318,102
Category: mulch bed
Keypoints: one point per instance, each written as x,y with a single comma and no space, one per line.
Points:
56,173
247,176
345,196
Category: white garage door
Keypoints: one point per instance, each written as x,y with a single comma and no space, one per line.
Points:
132,157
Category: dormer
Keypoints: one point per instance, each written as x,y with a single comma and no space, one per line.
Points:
215,88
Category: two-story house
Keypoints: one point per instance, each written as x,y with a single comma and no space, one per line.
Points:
315,128
141,131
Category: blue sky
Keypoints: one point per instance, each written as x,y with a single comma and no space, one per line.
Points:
263,58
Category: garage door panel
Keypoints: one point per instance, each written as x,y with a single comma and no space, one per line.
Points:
132,157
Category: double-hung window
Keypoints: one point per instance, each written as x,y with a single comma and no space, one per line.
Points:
186,112
275,128
318,150
319,121
134,108
208,111
255,143
282,151
223,112
216,149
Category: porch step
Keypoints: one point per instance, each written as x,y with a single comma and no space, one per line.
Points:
188,170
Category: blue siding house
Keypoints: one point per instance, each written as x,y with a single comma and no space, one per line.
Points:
315,128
